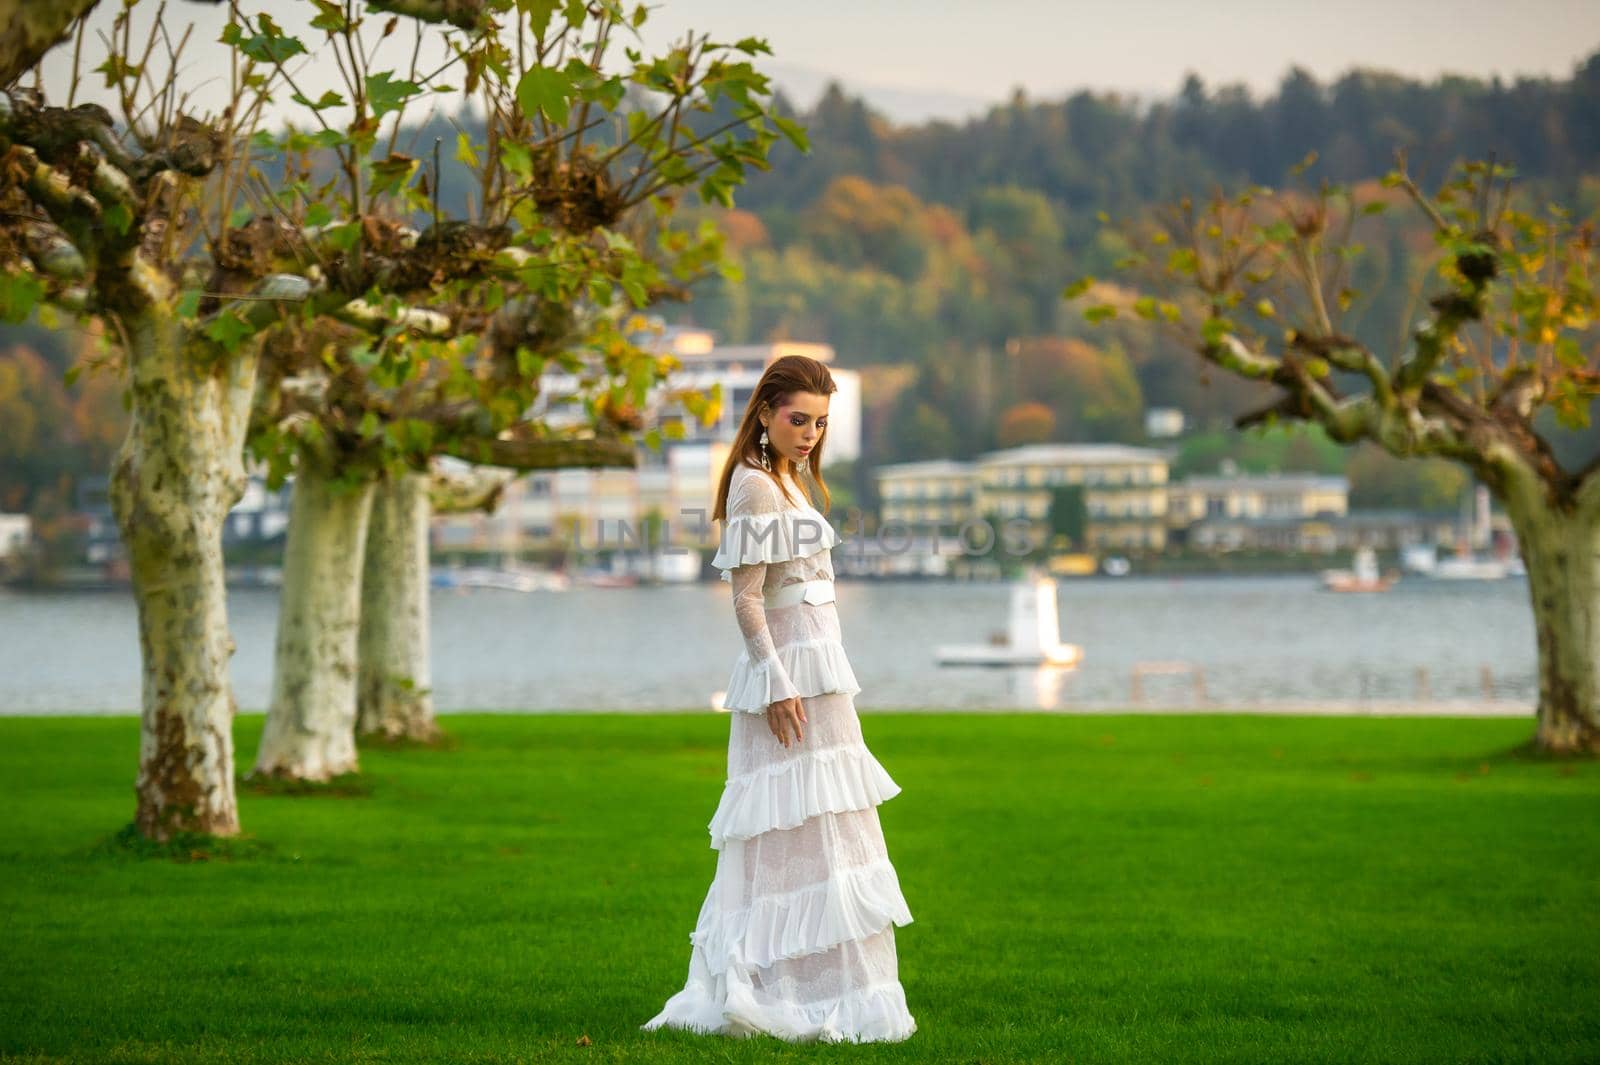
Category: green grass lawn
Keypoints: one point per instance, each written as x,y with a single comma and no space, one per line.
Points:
1086,888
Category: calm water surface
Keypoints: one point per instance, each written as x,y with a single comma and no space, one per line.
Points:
1261,641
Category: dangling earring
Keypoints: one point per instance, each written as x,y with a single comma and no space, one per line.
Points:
766,458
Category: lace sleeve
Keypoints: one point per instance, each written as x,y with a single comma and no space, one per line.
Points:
757,495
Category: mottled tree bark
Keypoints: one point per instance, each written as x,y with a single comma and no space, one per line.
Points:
1561,548
395,682
178,473
310,730
395,686
30,28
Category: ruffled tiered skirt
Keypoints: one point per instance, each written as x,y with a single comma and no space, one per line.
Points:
796,934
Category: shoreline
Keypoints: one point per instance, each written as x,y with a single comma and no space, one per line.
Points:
1475,708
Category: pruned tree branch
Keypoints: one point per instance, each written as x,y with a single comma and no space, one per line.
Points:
462,14
1516,278
545,454
458,493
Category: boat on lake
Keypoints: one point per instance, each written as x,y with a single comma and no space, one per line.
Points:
1363,576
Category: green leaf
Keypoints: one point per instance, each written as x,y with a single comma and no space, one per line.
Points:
1215,329
19,292
529,362
1279,232
517,159
329,17
385,94
1100,312
1077,288
188,304
542,90
363,355
539,13
229,330
318,214
1568,351
389,174
118,218
322,103
344,237
608,93
793,132
1182,261
272,47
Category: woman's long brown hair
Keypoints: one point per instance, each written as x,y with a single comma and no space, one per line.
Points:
783,378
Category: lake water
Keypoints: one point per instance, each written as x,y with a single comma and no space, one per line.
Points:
1271,642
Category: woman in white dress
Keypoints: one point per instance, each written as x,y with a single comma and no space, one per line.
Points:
796,934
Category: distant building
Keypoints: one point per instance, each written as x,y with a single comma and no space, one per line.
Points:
1234,511
261,514
1124,489
102,538
940,490
1382,530
1256,495
1390,530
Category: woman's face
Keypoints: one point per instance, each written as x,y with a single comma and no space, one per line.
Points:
794,429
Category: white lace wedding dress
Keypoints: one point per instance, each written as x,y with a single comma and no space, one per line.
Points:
796,934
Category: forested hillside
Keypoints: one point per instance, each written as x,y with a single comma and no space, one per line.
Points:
945,247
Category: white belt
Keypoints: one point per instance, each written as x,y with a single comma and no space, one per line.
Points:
815,592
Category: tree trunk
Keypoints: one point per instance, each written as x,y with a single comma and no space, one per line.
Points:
395,686
310,731
1562,553
179,471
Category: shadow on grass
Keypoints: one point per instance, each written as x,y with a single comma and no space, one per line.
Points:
439,741
1525,753
1528,752
343,786
128,844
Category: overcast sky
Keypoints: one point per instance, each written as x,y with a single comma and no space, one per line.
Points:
951,58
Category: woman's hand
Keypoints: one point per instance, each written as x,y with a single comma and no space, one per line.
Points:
786,716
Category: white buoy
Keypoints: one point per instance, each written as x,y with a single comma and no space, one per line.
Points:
1033,633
